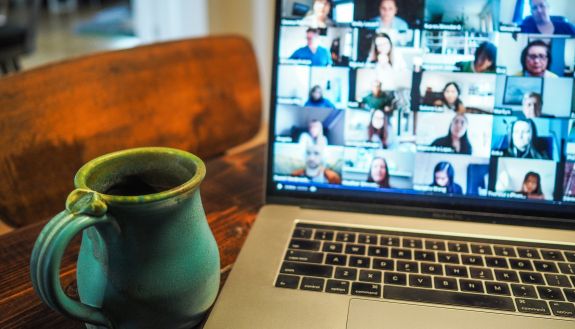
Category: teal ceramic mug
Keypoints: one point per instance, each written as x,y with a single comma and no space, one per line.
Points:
148,258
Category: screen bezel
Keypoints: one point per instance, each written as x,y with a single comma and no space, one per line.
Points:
454,208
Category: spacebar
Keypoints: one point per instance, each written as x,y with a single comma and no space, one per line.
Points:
448,298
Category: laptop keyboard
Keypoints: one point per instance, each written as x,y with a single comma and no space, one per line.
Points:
468,272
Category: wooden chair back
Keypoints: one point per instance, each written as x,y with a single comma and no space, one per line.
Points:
200,95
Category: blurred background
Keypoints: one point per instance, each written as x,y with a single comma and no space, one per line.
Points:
40,32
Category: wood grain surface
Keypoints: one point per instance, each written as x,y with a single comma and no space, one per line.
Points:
232,193
200,95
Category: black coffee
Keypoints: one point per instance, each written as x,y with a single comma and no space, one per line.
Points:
134,185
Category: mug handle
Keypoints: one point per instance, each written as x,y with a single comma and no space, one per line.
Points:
84,208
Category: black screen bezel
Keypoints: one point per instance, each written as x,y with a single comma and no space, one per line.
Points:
454,208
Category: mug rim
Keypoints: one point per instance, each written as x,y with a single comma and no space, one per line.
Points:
80,180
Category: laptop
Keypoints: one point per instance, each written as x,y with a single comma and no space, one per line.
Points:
420,170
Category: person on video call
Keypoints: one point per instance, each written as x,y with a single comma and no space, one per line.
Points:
318,55
523,135
315,169
389,69
388,19
540,20
531,187
378,99
536,60
443,176
379,172
377,131
456,138
485,60
316,98
531,105
450,100
317,17
314,134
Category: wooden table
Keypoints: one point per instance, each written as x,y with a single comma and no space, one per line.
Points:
232,193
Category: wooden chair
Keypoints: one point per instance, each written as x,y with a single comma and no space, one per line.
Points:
200,95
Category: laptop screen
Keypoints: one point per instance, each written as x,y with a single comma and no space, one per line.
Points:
466,103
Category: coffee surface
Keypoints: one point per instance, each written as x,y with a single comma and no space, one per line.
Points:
135,185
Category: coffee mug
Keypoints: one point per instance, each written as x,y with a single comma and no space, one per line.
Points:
148,258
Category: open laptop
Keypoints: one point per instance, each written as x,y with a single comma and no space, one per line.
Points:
420,170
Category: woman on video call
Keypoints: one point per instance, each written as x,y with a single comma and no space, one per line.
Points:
443,176
536,60
450,100
389,69
379,172
377,129
531,187
485,60
456,138
318,17
522,138
531,105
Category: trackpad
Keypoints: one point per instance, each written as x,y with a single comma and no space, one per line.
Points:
364,314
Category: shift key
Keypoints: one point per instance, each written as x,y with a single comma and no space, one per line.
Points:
307,269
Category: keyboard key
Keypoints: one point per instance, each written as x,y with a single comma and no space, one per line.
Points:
570,294
496,262
346,273
370,276
307,269
434,245
366,289
427,256
390,241
362,262
572,279
337,287
332,247
304,244
481,273
302,233
420,281
542,266
378,251
355,249
472,260
563,309
412,243
394,278
458,271
449,298
458,247
427,268
504,251
497,288
528,253
531,277
345,237
304,256
567,268
552,255
400,253
521,290
557,280
287,281
448,258
532,306
367,239
403,266
482,249
550,293
507,276
335,259
570,256
445,283
383,264
324,235
313,284
471,285
520,264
